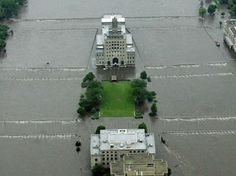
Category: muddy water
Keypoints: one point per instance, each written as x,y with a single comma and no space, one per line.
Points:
51,51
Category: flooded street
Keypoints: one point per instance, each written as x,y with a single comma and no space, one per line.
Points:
195,83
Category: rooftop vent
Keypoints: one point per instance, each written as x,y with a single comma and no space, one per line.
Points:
122,131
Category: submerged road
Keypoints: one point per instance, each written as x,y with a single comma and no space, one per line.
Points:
195,83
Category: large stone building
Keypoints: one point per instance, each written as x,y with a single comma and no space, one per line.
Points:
114,46
139,165
230,33
112,144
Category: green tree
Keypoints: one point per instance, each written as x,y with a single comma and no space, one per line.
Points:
99,170
153,110
143,75
202,11
89,77
151,96
81,111
233,10
2,44
101,127
10,8
143,126
211,9
138,83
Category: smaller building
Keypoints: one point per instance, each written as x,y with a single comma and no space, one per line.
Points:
230,33
139,165
112,144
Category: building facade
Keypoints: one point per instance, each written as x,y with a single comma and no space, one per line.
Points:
230,33
114,46
112,144
139,165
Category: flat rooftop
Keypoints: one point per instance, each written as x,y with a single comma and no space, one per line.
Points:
139,163
122,139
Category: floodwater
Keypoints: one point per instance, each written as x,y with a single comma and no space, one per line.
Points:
53,48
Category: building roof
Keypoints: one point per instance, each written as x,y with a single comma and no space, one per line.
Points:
108,18
139,164
230,25
122,139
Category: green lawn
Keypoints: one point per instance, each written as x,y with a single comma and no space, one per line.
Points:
118,99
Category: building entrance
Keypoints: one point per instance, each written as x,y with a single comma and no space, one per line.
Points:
115,61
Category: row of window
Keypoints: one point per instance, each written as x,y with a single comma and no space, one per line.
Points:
115,48
118,55
109,152
115,41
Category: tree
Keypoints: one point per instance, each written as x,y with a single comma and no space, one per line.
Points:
10,8
101,127
233,10
138,83
202,11
81,111
139,91
89,77
143,126
99,170
151,96
211,9
143,75
153,110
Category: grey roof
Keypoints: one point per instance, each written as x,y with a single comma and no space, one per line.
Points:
230,25
122,139
129,39
139,163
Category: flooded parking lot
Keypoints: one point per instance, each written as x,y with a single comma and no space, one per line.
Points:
194,80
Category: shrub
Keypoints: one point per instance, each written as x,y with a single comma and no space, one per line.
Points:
101,127
202,11
211,9
143,126
143,75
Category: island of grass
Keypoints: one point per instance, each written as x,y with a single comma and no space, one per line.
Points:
117,99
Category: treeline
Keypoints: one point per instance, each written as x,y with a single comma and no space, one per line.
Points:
89,103
231,5
10,8
3,36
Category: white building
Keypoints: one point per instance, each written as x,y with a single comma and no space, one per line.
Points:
230,33
114,46
112,144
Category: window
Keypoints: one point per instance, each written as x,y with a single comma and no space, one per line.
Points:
96,159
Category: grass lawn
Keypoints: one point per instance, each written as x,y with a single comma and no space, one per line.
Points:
118,99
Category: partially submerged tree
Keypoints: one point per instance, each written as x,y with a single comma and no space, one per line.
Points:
153,110
87,79
143,75
101,127
202,11
91,100
140,93
99,170
143,126
211,9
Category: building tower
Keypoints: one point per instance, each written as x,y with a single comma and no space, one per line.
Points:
114,47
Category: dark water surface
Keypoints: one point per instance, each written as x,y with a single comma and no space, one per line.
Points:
194,80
